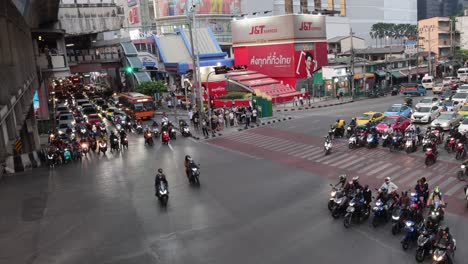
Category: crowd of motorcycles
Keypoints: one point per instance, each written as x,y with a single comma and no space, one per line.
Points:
406,212
76,143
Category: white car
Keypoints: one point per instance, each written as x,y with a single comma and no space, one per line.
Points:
438,88
463,128
428,101
67,118
463,89
449,80
425,114
62,127
460,98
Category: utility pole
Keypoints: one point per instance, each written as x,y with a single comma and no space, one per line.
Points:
196,88
351,34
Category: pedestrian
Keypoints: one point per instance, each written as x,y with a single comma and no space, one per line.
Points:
301,100
231,118
295,101
169,103
196,118
226,118
205,128
248,116
254,115
190,115
220,121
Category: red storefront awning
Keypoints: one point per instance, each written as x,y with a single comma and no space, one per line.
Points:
274,89
245,77
236,73
260,82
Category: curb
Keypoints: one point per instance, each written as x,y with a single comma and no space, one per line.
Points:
313,107
24,162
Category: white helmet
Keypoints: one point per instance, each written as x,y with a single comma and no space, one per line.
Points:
387,179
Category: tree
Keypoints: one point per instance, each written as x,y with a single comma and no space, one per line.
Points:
461,55
150,88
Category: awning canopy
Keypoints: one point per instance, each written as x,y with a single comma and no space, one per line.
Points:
129,49
248,77
381,74
142,77
260,82
274,90
398,74
135,62
359,76
416,71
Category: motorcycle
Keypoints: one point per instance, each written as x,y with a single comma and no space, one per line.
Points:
67,156
380,213
460,151
327,146
332,132
194,175
426,142
115,144
440,253
462,175
349,131
412,233
352,142
372,141
450,145
410,145
83,132
85,149
353,215
172,134
431,157
165,137
399,215
386,140
339,206
149,139
102,147
396,144
51,159
139,129
186,131
103,129
436,214
156,132
124,142
424,246
334,195
163,194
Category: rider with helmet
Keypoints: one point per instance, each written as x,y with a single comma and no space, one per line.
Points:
445,240
388,189
436,199
354,186
188,164
113,139
342,181
160,177
339,126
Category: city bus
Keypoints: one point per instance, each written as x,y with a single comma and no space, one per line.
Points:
137,105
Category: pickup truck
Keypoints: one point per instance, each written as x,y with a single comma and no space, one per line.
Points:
412,89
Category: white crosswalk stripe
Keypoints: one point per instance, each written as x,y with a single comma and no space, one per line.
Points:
336,158
279,145
399,174
371,166
433,181
368,161
317,156
311,153
329,157
381,168
342,161
455,188
268,142
411,176
388,172
357,160
290,145
303,150
446,183
248,138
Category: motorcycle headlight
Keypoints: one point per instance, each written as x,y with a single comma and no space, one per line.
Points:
194,169
409,223
378,203
438,258
84,145
396,218
163,192
351,204
60,132
333,193
463,166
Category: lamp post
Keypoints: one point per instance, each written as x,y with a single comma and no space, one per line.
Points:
208,98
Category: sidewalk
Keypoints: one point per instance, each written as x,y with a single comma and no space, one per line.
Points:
317,103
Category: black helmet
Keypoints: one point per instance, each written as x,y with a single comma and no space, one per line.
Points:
160,170
343,177
187,157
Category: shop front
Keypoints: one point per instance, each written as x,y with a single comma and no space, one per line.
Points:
336,80
289,48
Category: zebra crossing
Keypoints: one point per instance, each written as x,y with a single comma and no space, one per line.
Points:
371,165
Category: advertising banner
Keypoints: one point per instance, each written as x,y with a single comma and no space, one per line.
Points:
278,28
179,7
216,88
132,2
133,15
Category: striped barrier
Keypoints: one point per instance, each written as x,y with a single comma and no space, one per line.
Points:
24,162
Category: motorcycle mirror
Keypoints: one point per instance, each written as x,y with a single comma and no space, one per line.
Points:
331,185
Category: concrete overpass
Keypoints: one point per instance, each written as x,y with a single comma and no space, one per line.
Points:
19,74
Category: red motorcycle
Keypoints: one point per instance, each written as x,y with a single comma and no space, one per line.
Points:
460,151
450,145
165,137
431,157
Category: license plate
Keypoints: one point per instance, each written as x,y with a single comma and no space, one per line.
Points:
350,209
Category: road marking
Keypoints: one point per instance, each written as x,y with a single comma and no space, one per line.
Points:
446,182
372,166
268,142
281,145
400,173
336,158
311,154
434,180
383,167
293,146
359,166
306,149
248,140
231,150
358,159
389,171
455,188
316,156
350,157
410,176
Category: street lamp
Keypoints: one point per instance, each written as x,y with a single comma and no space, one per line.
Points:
208,98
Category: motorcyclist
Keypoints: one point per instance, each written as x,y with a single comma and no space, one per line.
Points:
404,201
354,186
160,178
112,138
188,164
444,239
123,134
420,190
342,181
388,190
339,125
367,194
436,199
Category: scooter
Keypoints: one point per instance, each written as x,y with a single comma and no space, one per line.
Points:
372,141
349,131
162,194
431,157
352,142
410,146
355,216
148,139
327,146
186,131
386,140
412,233
334,195
124,142
194,176
450,145
424,246
165,137
172,134
380,213
156,132
440,253
67,156
115,144
139,129
102,147
461,153
463,172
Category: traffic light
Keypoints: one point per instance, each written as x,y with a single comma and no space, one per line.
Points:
129,69
211,102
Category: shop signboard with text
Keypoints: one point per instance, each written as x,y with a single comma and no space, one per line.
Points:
180,7
216,88
278,28
133,15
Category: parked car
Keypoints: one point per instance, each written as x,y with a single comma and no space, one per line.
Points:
425,114
395,122
397,110
428,101
447,120
412,89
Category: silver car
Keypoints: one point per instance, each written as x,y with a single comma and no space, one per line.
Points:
428,101
447,120
425,114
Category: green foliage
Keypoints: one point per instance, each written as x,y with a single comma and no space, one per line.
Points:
234,95
394,31
150,88
461,54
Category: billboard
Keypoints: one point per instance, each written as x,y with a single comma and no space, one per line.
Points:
133,15
180,7
301,27
132,3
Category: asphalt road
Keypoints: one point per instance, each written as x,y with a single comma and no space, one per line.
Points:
253,206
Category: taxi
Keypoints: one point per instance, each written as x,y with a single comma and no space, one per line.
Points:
374,117
463,110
